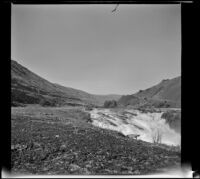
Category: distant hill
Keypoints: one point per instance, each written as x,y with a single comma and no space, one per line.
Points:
165,94
29,88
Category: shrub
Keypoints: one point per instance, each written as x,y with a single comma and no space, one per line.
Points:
157,136
86,116
24,97
89,107
46,103
110,104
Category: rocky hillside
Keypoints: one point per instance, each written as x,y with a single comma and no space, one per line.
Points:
29,88
165,94
173,118
61,141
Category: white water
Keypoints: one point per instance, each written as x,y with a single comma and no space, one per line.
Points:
144,124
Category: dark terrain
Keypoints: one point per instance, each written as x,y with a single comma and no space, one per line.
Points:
165,94
173,118
63,141
29,88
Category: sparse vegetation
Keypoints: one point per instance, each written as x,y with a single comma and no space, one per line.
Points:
29,88
47,103
62,141
163,95
89,107
16,104
110,104
157,136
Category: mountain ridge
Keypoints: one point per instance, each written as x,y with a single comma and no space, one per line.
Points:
28,87
167,93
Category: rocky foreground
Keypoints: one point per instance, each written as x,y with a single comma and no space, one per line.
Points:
63,141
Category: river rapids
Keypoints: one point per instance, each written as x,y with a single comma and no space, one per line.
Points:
130,121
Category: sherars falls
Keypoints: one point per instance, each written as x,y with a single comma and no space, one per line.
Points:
130,121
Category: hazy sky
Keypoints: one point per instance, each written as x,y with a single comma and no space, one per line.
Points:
89,48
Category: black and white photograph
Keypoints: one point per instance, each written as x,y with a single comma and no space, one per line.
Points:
95,89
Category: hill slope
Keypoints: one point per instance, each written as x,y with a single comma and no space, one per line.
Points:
29,88
165,94
60,141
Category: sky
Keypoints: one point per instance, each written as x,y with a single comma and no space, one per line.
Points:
90,48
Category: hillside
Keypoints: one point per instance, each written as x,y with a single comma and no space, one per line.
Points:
29,88
165,94
63,141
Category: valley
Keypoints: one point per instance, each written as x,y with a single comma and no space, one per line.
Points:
62,130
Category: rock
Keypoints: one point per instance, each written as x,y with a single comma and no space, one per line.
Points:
67,156
136,172
18,147
13,147
86,171
45,169
63,147
88,166
147,163
134,136
74,167
36,144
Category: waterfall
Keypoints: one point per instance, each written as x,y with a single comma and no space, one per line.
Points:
147,125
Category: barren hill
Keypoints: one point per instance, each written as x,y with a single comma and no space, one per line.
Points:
165,94
29,88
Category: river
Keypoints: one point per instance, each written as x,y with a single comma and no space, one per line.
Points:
129,121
